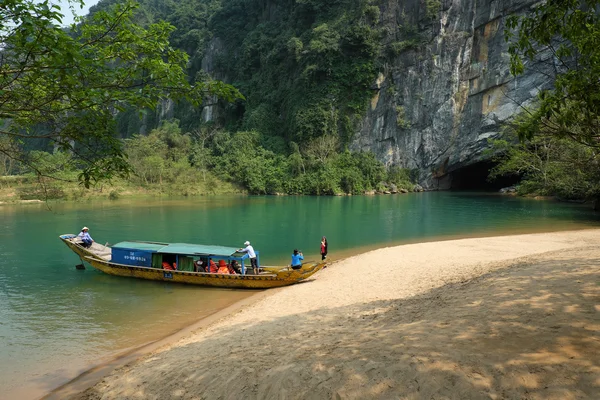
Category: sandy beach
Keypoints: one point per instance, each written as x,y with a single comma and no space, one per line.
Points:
511,317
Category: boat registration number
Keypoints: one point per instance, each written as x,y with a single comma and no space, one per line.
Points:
168,275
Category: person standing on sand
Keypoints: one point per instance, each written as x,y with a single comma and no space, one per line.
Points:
250,250
323,248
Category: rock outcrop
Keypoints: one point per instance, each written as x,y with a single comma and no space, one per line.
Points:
446,89
435,107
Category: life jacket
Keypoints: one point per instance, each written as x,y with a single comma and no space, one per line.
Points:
212,267
168,266
223,270
222,267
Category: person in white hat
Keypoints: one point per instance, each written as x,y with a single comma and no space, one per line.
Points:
85,237
250,250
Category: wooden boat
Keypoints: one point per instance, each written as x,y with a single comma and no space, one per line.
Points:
144,260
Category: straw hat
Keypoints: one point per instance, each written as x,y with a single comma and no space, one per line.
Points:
246,243
85,228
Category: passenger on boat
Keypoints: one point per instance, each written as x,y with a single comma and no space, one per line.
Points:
212,267
85,237
250,250
234,268
297,258
199,266
222,267
168,266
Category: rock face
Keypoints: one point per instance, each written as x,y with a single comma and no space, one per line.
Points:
438,103
444,92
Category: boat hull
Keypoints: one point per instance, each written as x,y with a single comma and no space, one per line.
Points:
283,277
97,250
196,278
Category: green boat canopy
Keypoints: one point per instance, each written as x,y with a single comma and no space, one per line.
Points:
178,248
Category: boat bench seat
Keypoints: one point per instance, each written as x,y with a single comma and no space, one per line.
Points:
103,252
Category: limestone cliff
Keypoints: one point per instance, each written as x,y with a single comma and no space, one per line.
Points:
435,107
440,95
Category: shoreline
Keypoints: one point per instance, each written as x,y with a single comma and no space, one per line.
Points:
94,374
49,386
132,194
90,378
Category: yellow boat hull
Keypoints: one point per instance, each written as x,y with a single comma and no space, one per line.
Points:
279,276
81,251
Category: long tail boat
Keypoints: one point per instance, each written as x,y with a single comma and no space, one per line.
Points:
145,260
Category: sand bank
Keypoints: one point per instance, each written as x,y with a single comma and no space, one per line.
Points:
491,318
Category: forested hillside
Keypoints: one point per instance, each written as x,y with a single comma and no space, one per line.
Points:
421,84
306,68
303,71
331,97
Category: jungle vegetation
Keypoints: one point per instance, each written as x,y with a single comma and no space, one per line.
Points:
302,77
209,161
119,95
554,143
60,88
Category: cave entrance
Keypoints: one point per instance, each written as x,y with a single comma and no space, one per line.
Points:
475,177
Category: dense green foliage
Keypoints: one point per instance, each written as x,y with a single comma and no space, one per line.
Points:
553,144
561,36
305,68
167,155
548,166
60,88
215,161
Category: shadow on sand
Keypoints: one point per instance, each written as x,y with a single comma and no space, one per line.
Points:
528,332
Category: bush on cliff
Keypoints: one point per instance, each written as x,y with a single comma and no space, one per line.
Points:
548,166
560,135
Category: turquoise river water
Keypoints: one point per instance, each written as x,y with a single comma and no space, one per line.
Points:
56,321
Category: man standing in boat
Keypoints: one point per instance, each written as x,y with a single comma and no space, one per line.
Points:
250,250
85,237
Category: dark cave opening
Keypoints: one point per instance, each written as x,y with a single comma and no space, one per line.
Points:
475,177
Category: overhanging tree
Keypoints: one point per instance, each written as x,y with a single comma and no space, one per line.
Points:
564,35
65,86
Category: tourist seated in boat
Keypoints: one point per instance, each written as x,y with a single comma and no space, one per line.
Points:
85,237
199,266
234,267
223,269
168,266
297,258
212,267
